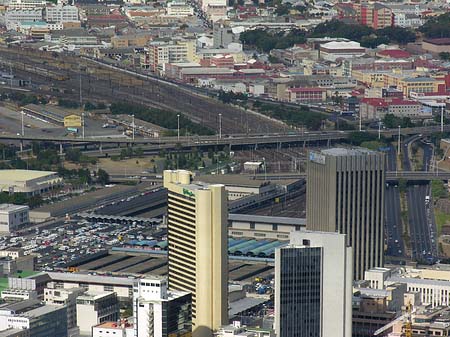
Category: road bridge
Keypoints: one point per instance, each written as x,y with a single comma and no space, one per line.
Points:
391,176
232,139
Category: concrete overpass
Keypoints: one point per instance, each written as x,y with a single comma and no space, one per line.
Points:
235,139
391,176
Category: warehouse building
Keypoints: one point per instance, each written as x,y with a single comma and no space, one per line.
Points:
28,181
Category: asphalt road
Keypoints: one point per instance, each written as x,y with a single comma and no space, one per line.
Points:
393,228
420,213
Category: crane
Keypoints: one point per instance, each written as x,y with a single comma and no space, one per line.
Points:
406,318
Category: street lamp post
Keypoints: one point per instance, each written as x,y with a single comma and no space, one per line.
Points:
265,169
23,129
220,126
82,124
133,125
442,119
360,121
178,126
379,129
398,145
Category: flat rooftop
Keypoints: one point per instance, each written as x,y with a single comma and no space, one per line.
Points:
231,180
23,175
92,296
111,325
97,279
266,219
91,199
342,151
11,207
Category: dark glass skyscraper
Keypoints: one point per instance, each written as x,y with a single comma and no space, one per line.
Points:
313,286
300,280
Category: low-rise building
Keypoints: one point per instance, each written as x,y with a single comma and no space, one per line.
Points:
10,295
377,108
236,330
113,329
39,320
306,95
331,51
163,51
159,312
13,217
67,298
14,17
436,46
122,286
95,308
179,8
13,252
433,286
263,227
61,14
29,182
13,265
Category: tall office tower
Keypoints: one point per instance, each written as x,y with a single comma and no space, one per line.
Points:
158,312
313,286
198,258
345,194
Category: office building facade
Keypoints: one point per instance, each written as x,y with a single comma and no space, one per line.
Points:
197,238
96,308
159,312
345,194
313,286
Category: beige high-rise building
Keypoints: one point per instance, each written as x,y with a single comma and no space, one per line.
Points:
345,194
198,257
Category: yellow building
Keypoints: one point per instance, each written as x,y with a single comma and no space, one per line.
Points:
369,77
72,121
163,51
419,85
198,259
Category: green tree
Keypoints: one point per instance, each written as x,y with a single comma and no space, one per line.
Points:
437,27
444,56
102,177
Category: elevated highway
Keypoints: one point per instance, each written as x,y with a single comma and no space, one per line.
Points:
205,141
391,176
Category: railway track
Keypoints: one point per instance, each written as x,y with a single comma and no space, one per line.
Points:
100,82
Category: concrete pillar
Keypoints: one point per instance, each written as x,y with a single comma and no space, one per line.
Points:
100,148
61,149
21,145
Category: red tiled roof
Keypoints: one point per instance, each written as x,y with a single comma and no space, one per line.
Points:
442,41
395,53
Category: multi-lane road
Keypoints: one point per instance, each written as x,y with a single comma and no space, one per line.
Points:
393,221
422,227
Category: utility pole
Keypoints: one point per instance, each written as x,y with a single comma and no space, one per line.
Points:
178,126
82,123
379,129
132,124
265,169
398,145
360,121
23,129
220,126
81,95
